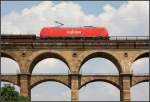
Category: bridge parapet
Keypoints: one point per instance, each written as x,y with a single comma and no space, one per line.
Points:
119,42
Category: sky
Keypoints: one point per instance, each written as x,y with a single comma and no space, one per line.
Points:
128,18
119,17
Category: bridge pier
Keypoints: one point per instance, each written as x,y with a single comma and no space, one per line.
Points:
74,87
125,87
24,82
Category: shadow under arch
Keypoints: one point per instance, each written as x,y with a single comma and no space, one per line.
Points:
3,54
51,80
107,81
146,80
102,55
44,56
143,55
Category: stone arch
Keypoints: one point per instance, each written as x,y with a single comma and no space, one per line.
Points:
138,57
146,80
105,55
45,55
45,80
15,83
107,81
3,54
141,55
9,56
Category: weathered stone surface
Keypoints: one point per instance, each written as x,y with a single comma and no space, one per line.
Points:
74,57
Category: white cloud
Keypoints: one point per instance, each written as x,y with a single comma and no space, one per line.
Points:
130,19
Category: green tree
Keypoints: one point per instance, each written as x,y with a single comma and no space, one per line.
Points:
8,93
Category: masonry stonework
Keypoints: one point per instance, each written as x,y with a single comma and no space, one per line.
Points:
27,57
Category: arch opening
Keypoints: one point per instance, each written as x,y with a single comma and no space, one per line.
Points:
140,66
9,66
140,92
50,91
51,66
143,55
99,66
105,56
46,80
51,59
6,55
101,80
5,83
99,91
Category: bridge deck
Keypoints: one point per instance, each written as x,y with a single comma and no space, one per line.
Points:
119,42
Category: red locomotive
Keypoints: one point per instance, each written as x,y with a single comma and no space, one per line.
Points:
100,32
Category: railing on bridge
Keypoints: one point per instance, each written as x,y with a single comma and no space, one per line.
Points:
33,36
72,73
50,74
129,37
117,42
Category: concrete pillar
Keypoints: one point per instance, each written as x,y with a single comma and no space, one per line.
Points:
74,78
24,81
125,82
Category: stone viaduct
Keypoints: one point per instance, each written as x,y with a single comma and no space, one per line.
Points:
27,51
